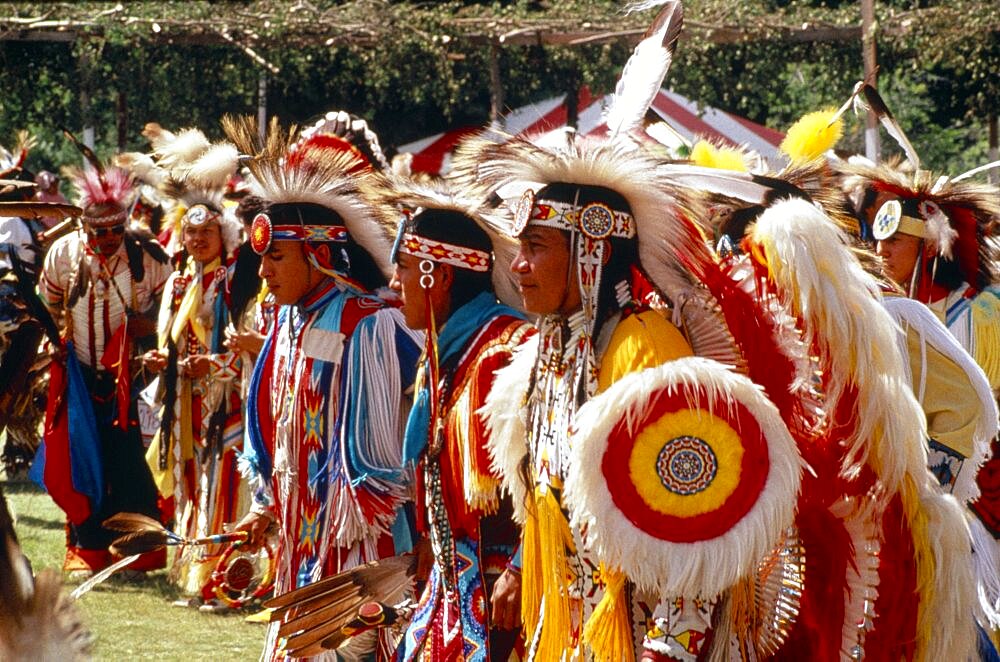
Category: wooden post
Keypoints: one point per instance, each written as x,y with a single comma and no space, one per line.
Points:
496,86
868,50
121,114
994,146
262,106
85,77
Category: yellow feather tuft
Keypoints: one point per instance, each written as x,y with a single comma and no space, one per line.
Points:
720,157
812,136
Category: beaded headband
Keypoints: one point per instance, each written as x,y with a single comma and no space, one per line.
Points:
112,219
596,220
263,232
445,253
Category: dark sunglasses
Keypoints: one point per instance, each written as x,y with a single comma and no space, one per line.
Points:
100,232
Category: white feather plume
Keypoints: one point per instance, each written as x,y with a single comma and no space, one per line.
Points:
504,414
142,167
177,155
645,70
215,166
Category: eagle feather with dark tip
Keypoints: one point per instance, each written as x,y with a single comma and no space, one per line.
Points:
878,106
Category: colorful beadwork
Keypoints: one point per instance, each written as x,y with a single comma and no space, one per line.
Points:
686,465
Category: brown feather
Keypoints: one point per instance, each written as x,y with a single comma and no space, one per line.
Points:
308,643
129,522
33,209
308,592
317,612
339,608
140,542
365,576
86,151
307,605
889,121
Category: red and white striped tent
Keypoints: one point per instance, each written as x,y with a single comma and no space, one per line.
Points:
688,121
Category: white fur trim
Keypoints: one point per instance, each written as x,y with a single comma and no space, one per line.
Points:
841,306
948,622
706,567
214,166
986,555
504,412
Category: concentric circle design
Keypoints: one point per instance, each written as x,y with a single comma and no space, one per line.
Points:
700,482
686,465
260,234
597,221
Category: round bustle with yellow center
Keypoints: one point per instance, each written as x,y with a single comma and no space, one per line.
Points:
683,476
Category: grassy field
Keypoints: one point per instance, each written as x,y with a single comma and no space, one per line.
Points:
131,620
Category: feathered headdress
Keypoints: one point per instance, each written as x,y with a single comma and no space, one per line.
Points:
341,131
661,211
176,153
195,175
328,178
11,163
958,217
109,192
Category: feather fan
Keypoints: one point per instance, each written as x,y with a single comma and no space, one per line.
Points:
33,209
144,534
645,70
313,616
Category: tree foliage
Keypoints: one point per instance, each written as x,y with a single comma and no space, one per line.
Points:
413,69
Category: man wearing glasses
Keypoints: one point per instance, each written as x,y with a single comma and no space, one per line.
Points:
102,284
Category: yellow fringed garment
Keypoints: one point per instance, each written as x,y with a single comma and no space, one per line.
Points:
608,632
547,540
925,562
986,327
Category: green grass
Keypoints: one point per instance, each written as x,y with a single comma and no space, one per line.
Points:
131,620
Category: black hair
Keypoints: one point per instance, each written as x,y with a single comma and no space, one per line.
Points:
735,227
454,227
624,252
349,258
248,208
